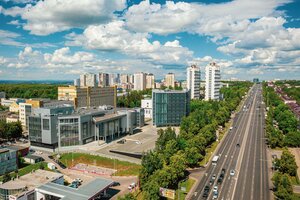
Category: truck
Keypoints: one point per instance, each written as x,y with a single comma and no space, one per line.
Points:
215,160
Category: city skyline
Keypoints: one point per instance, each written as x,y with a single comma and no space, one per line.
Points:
38,41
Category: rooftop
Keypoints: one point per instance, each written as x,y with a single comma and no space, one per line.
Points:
169,91
84,192
31,180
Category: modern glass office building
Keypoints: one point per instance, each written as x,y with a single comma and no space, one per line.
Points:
169,106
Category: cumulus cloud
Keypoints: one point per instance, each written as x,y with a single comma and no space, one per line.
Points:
209,19
48,16
115,37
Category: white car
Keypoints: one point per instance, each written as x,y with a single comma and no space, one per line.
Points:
131,186
232,172
213,177
215,188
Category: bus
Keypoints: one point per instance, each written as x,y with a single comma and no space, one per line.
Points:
215,160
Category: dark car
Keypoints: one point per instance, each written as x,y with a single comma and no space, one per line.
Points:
238,144
223,171
115,184
220,179
206,191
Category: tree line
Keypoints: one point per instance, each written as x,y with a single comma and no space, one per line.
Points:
30,90
166,165
133,98
281,123
286,169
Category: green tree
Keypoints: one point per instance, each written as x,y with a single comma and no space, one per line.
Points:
287,163
6,177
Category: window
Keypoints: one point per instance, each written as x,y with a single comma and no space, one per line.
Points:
46,124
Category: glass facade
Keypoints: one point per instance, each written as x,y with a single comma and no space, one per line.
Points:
46,124
35,129
169,107
69,132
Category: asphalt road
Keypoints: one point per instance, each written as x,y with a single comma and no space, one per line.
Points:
248,159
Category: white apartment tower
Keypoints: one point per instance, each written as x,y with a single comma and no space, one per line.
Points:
170,80
88,80
103,80
193,81
150,82
139,81
212,82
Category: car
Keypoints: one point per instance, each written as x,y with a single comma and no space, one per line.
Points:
115,184
223,171
213,177
231,128
215,188
131,186
206,192
238,144
211,181
232,172
215,195
79,180
220,179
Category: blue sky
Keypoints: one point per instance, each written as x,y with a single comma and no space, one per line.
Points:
60,39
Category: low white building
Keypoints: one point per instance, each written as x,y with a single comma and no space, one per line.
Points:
147,105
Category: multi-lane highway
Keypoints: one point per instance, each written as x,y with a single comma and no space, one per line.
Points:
243,152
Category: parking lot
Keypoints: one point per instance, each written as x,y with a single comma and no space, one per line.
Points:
142,141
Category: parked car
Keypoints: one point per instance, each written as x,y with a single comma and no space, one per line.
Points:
232,172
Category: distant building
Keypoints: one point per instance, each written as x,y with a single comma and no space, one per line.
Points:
42,125
88,80
12,118
212,82
77,82
150,81
158,85
131,78
88,96
8,102
255,80
139,81
103,80
193,81
124,78
2,95
184,85
147,105
170,106
8,158
14,107
170,80
3,115
24,112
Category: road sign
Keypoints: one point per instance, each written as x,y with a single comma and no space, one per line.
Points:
164,192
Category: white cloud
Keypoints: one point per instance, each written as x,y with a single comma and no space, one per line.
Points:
209,19
115,37
49,16
63,56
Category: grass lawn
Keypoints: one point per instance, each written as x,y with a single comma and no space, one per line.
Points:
27,169
188,184
123,168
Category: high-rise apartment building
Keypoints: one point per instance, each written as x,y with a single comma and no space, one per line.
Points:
193,81
103,80
77,82
212,82
131,78
124,78
139,81
150,81
24,112
88,80
82,80
170,106
88,96
91,80
170,80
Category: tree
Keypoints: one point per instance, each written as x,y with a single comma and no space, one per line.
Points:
128,196
6,177
292,139
287,163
